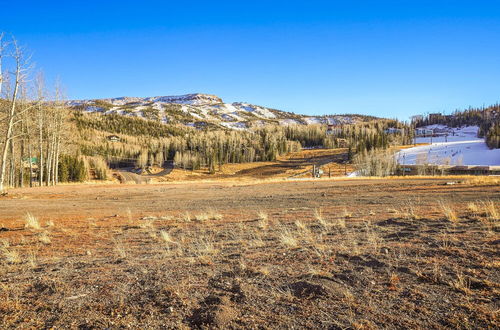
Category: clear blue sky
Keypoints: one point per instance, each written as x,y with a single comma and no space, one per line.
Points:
384,58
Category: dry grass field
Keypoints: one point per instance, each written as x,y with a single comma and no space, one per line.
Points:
332,254
295,164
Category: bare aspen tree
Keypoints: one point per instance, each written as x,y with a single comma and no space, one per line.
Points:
40,114
19,75
59,117
31,125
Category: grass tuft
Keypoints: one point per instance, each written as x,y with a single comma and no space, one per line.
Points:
30,221
165,236
346,214
263,220
448,212
11,256
44,238
288,239
318,215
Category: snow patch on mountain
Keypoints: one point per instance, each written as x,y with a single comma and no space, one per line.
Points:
185,109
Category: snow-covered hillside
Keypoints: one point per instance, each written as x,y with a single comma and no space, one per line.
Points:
201,109
460,146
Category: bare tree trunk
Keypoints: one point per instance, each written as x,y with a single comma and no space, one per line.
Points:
30,155
41,164
8,137
21,167
54,161
12,114
58,150
49,163
40,149
12,166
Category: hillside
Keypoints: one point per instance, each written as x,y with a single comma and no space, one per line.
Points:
454,146
201,110
486,118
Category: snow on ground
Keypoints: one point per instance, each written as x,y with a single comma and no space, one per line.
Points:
287,122
463,148
255,109
233,125
313,120
466,133
92,108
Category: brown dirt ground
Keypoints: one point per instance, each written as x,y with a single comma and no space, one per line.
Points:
332,254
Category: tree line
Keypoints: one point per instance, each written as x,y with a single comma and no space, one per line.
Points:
191,148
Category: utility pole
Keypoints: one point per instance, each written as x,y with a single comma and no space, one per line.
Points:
404,168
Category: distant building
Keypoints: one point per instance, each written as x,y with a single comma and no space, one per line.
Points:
424,132
114,138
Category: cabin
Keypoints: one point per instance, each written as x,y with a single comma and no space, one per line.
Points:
424,132
113,138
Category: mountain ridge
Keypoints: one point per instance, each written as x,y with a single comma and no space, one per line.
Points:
199,109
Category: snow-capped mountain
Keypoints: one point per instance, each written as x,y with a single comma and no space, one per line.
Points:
199,110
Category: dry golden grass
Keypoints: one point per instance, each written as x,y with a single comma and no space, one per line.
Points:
31,222
340,223
448,211
300,225
488,215
318,215
233,274
288,238
263,219
11,255
165,236
44,238
472,207
186,217
202,217
210,214
346,214
482,180
492,211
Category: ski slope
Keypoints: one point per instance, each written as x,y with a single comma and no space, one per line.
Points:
460,147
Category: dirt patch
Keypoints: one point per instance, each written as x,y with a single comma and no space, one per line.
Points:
306,290
303,254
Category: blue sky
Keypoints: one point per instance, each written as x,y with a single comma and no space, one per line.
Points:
383,58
